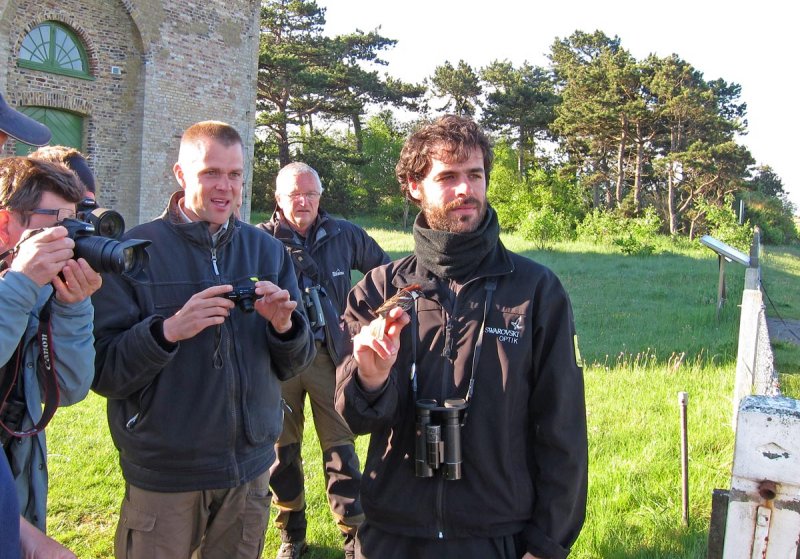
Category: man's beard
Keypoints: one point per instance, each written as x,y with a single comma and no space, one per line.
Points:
439,218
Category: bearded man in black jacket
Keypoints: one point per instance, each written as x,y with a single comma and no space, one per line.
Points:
465,371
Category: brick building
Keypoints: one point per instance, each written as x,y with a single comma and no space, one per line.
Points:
121,79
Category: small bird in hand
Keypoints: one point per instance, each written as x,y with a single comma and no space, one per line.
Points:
404,298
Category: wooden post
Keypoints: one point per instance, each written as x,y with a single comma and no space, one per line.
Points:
721,291
683,401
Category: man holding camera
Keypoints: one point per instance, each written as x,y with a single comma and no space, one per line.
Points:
324,251
192,377
46,350
465,371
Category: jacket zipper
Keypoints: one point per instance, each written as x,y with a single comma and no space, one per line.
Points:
214,261
232,393
449,371
440,507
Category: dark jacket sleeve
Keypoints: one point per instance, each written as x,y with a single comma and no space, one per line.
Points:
128,355
558,427
293,351
367,254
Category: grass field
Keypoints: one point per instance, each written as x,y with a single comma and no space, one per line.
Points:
648,330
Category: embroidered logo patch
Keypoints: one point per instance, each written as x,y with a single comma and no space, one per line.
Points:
508,335
337,272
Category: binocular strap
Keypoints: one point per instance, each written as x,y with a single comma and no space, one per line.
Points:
491,285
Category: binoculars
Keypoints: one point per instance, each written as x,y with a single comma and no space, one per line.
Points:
437,443
313,306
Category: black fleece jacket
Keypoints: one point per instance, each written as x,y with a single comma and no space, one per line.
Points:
524,441
336,247
205,413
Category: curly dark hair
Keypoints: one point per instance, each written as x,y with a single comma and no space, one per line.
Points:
448,138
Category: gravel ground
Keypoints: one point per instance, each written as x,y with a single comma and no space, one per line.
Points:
786,330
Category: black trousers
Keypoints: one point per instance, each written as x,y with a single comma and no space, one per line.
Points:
373,543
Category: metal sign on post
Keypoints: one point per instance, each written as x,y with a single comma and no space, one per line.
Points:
725,253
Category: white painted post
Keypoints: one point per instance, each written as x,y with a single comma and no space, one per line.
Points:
747,349
764,510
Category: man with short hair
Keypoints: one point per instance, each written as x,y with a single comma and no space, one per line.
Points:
46,351
190,352
465,372
324,250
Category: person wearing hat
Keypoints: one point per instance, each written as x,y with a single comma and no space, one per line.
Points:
37,271
21,127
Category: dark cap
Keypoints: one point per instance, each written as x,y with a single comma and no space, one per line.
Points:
78,165
22,127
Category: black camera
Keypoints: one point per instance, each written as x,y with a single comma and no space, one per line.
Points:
313,307
105,254
244,297
437,442
107,223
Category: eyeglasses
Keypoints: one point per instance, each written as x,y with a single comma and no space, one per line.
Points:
60,213
306,195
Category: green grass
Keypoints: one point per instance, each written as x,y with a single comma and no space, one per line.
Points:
648,330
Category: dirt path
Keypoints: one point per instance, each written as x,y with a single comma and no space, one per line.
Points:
786,330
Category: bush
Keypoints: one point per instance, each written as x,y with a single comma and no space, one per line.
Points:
514,196
634,247
545,227
723,225
633,235
773,216
600,227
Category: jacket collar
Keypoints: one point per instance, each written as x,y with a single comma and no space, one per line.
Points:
322,228
195,231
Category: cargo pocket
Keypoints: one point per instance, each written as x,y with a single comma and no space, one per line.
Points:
256,510
132,539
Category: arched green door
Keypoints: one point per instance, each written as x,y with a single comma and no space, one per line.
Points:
67,128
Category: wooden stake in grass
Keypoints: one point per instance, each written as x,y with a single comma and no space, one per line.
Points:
683,401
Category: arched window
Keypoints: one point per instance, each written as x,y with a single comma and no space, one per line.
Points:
52,47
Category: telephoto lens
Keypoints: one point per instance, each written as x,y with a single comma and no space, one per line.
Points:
108,255
106,222
105,254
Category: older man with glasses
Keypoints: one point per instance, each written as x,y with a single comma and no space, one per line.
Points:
324,251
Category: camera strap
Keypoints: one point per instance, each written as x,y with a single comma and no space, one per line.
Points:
46,369
303,262
490,287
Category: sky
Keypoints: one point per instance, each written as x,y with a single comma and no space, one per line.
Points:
752,44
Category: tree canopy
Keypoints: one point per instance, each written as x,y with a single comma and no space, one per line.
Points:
608,132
